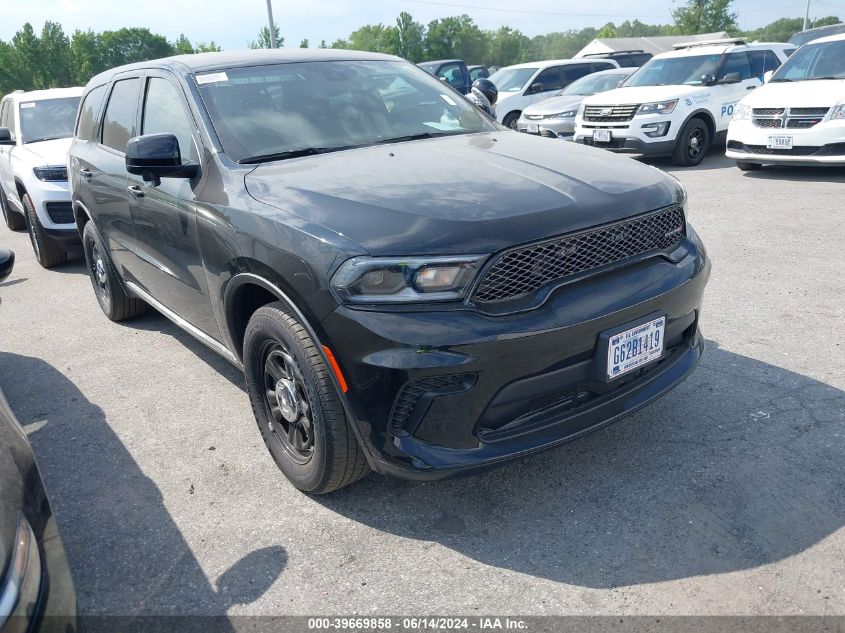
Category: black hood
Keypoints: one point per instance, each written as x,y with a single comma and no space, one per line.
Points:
463,194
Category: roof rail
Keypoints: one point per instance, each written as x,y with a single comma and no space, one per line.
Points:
725,41
633,50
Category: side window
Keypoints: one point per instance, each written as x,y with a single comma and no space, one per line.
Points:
638,59
7,116
597,66
762,62
550,78
575,71
478,73
164,113
87,123
119,119
453,74
737,63
788,52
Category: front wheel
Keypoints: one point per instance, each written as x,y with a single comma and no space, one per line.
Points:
296,405
743,166
692,144
510,119
47,251
115,303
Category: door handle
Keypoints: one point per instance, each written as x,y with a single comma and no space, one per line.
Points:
86,174
135,191
751,87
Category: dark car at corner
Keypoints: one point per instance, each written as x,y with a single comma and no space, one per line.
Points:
36,590
409,287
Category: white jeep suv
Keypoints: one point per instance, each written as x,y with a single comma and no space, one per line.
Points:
678,103
36,129
799,115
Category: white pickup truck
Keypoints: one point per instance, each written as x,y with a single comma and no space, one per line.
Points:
36,129
678,103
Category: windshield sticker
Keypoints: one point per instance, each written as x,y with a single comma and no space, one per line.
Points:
29,104
212,78
448,100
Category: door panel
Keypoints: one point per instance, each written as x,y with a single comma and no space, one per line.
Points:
168,262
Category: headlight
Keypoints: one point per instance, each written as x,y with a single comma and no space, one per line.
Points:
51,174
581,110
838,112
20,588
401,280
564,115
658,107
741,112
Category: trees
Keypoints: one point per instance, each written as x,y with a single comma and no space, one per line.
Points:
264,40
704,16
410,38
456,36
375,38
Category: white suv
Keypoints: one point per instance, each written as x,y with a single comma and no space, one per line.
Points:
680,102
523,84
36,129
799,115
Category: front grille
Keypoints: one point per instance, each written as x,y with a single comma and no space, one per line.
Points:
802,123
768,111
610,114
820,112
60,212
422,391
767,123
524,270
615,143
766,151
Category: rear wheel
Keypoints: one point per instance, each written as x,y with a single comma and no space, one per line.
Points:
296,404
47,251
743,166
14,220
692,144
111,296
510,119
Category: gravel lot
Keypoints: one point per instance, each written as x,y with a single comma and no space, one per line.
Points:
727,496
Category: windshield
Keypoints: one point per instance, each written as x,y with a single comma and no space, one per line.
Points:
48,119
284,110
675,71
595,83
512,79
814,61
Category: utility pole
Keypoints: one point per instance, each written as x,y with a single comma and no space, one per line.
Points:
273,24
806,15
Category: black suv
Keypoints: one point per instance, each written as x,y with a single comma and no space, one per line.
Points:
409,287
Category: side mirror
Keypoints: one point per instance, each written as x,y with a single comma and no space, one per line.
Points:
7,262
6,136
155,156
707,79
536,87
767,76
731,78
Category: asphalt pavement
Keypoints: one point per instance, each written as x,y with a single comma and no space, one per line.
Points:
725,497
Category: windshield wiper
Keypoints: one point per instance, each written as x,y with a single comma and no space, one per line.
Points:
828,78
779,79
291,153
46,138
420,136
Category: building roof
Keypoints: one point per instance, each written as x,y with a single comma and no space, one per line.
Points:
654,45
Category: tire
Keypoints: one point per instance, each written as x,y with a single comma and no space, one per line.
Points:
692,144
115,303
14,220
510,119
288,379
743,166
47,251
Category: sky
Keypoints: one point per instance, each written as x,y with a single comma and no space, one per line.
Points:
234,23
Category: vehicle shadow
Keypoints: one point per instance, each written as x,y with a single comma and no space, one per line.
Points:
715,159
736,468
801,174
127,555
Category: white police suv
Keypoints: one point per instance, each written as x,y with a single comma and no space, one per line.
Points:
799,115
679,102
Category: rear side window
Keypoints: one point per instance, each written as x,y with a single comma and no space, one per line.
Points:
597,66
119,120
737,63
762,62
453,74
165,114
87,123
478,73
549,78
570,73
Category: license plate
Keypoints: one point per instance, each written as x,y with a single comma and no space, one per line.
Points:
634,348
533,128
780,142
601,136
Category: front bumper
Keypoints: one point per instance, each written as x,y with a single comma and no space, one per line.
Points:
550,128
437,392
824,143
630,137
